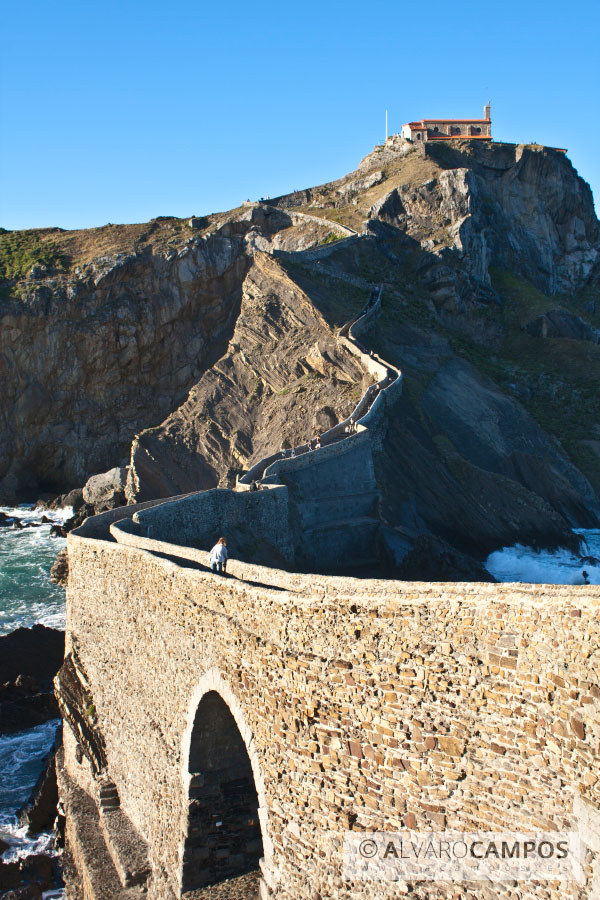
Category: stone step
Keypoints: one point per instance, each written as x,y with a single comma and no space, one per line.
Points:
88,845
107,789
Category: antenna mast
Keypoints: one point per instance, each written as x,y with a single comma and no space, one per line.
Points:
386,126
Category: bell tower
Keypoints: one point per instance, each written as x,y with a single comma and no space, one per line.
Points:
487,111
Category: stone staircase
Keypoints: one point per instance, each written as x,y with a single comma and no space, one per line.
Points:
108,796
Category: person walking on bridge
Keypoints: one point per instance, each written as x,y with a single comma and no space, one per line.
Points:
218,557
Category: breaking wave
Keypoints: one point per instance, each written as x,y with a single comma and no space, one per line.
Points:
562,566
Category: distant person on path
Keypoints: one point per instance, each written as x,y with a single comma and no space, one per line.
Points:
218,557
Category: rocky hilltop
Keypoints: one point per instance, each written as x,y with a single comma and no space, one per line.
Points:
182,352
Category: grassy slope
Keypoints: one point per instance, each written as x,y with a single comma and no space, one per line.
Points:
62,251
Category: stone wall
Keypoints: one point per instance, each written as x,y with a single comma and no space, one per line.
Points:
366,705
200,518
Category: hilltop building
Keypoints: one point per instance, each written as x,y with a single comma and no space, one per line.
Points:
450,129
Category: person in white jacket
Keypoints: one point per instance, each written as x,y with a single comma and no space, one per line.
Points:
218,556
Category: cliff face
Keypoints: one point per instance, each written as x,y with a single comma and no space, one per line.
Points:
110,334
205,349
283,379
87,361
522,209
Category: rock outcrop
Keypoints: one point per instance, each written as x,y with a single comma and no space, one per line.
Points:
29,660
107,490
59,573
283,379
91,354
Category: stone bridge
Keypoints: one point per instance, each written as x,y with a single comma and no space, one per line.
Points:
215,725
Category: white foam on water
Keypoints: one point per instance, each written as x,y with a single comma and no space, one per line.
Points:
562,566
21,757
27,596
26,513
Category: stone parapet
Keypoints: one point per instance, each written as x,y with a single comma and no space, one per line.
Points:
365,705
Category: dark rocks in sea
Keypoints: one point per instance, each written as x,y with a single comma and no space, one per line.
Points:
22,706
432,559
28,878
59,572
35,652
14,522
40,811
29,660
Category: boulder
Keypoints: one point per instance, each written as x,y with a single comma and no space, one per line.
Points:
59,572
28,878
40,811
107,490
21,709
325,419
73,498
35,652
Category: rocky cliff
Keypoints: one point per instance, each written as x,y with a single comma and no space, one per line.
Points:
283,379
103,332
192,352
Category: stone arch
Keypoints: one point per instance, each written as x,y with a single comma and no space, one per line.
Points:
230,777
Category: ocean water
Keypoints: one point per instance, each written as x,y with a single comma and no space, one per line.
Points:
519,563
27,597
21,758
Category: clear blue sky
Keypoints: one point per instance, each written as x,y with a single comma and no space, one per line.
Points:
121,111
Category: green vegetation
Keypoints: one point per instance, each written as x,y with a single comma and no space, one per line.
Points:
356,392
20,250
331,238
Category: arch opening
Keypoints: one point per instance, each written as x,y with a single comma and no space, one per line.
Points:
223,835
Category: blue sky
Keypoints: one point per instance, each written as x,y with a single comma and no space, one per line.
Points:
118,112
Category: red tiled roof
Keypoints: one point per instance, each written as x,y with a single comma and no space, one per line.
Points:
421,124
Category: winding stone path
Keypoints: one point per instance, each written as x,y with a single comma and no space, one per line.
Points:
338,433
